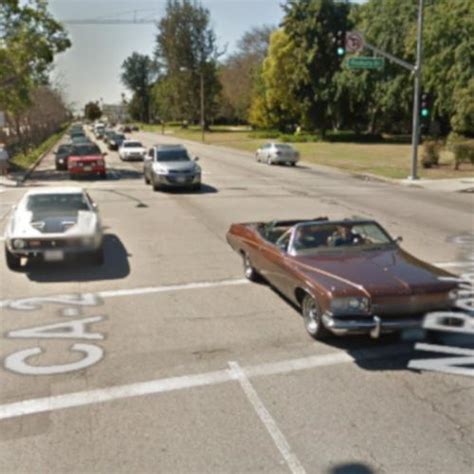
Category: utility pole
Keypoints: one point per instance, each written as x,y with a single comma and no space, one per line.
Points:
202,105
416,98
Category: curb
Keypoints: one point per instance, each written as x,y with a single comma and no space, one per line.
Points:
33,166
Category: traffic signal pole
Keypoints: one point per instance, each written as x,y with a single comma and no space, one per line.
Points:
416,99
416,70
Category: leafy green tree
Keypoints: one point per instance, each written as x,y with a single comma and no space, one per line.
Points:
138,74
186,50
92,111
30,38
448,66
311,26
274,104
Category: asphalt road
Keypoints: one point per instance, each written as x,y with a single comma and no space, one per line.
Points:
192,369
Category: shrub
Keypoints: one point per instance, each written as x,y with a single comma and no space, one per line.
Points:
430,156
301,138
463,153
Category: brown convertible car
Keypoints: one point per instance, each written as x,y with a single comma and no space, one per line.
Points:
348,277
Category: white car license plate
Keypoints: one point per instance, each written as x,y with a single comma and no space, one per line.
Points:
181,179
53,255
87,168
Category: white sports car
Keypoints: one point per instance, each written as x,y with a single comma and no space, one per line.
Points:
54,224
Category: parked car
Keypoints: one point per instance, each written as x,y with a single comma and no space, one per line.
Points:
61,156
126,129
272,153
348,277
54,224
116,141
132,150
171,166
99,131
86,160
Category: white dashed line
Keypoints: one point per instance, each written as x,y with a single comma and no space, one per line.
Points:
131,291
77,399
267,419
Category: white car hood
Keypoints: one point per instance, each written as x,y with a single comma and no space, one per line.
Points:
24,224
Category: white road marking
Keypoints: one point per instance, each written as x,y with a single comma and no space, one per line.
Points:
454,264
77,399
267,419
19,303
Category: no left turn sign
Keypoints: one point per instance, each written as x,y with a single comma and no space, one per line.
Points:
354,41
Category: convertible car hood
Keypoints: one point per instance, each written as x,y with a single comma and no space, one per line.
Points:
379,272
30,224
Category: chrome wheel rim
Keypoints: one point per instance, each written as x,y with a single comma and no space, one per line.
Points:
247,268
311,316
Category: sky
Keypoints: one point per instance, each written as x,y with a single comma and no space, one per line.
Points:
90,69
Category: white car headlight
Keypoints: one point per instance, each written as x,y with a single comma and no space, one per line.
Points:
19,244
160,170
350,305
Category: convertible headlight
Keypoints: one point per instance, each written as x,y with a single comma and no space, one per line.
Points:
19,244
350,305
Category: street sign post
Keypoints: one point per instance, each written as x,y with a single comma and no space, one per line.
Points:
354,42
365,62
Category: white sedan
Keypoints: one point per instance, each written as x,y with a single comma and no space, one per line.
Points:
53,224
280,153
132,150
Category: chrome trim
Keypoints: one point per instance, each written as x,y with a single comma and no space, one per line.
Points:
373,325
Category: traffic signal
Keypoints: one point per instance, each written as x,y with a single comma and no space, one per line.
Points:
425,105
341,43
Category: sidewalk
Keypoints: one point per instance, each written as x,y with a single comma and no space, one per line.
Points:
451,185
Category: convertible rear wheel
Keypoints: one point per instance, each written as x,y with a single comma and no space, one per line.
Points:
13,262
313,318
249,272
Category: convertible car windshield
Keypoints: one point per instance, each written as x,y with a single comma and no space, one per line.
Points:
57,202
307,238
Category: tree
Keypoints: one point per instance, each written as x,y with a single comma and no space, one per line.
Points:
274,103
186,51
311,26
239,72
138,74
30,38
92,111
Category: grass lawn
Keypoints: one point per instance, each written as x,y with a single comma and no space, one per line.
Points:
22,161
388,160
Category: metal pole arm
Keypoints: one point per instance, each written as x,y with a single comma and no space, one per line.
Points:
389,56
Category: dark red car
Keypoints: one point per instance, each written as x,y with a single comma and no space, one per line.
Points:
86,160
348,277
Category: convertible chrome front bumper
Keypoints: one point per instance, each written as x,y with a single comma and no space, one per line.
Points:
373,325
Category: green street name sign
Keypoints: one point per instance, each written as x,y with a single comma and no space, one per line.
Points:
365,62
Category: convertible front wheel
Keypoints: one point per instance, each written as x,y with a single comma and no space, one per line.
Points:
249,272
313,318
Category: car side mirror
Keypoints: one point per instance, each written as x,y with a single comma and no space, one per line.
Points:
398,239
105,153
283,246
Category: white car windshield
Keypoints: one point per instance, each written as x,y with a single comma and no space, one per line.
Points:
133,145
57,202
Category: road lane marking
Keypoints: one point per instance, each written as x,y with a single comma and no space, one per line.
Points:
454,264
266,418
77,399
19,303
